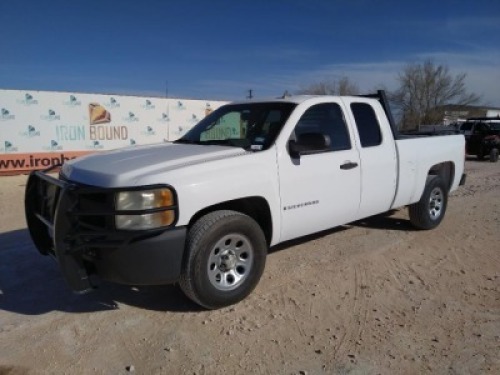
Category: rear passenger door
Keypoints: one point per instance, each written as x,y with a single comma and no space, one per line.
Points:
319,190
377,151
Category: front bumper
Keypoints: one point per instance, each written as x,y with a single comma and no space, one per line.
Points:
75,224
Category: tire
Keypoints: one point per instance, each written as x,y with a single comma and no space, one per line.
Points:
226,256
494,155
430,210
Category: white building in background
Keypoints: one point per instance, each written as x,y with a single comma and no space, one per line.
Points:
493,113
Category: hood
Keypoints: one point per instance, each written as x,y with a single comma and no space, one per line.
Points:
124,167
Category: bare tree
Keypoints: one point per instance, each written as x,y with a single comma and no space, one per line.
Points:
423,90
342,86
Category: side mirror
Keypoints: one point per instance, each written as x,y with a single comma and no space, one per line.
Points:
308,143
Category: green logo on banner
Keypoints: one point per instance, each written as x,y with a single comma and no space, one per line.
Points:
28,100
6,115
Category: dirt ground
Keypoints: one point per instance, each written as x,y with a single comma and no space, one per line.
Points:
373,297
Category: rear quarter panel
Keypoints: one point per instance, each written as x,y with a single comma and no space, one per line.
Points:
417,156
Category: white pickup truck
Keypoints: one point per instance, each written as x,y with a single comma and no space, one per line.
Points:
204,210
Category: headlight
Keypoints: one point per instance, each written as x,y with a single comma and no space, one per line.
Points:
159,201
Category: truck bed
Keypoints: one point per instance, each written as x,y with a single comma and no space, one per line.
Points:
417,154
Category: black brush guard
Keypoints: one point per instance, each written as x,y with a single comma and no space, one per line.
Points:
65,223
49,204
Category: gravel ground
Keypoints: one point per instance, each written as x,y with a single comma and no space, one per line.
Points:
373,297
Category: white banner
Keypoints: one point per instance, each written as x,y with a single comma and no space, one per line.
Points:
40,122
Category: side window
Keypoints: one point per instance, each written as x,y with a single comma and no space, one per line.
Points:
480,128
367,124
327,119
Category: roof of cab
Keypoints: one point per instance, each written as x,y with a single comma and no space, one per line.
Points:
297,99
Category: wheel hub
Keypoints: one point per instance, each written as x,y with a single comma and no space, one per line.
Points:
227,261
435,203
230,262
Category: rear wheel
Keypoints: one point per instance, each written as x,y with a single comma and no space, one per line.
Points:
494,155
429,211
226,254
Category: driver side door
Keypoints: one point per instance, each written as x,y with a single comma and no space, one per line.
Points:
320,190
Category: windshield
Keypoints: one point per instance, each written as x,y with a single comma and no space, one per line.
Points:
252,126
466,126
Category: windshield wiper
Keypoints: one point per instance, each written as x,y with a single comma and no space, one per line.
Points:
187,141
231,142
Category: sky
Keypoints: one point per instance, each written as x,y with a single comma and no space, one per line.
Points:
218,50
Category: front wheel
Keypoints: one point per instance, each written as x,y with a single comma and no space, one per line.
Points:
429,211
226,255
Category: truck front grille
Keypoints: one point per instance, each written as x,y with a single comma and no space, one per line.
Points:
92,207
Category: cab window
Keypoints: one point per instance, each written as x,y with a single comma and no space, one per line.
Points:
326,119
367,124
466,126
480,128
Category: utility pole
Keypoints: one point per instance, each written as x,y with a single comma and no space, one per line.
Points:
250,94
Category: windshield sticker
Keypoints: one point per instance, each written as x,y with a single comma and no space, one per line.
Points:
256,147
260,140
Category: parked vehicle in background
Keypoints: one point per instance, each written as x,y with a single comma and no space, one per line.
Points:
204,210
482,137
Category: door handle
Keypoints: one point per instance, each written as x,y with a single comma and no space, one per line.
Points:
348,165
